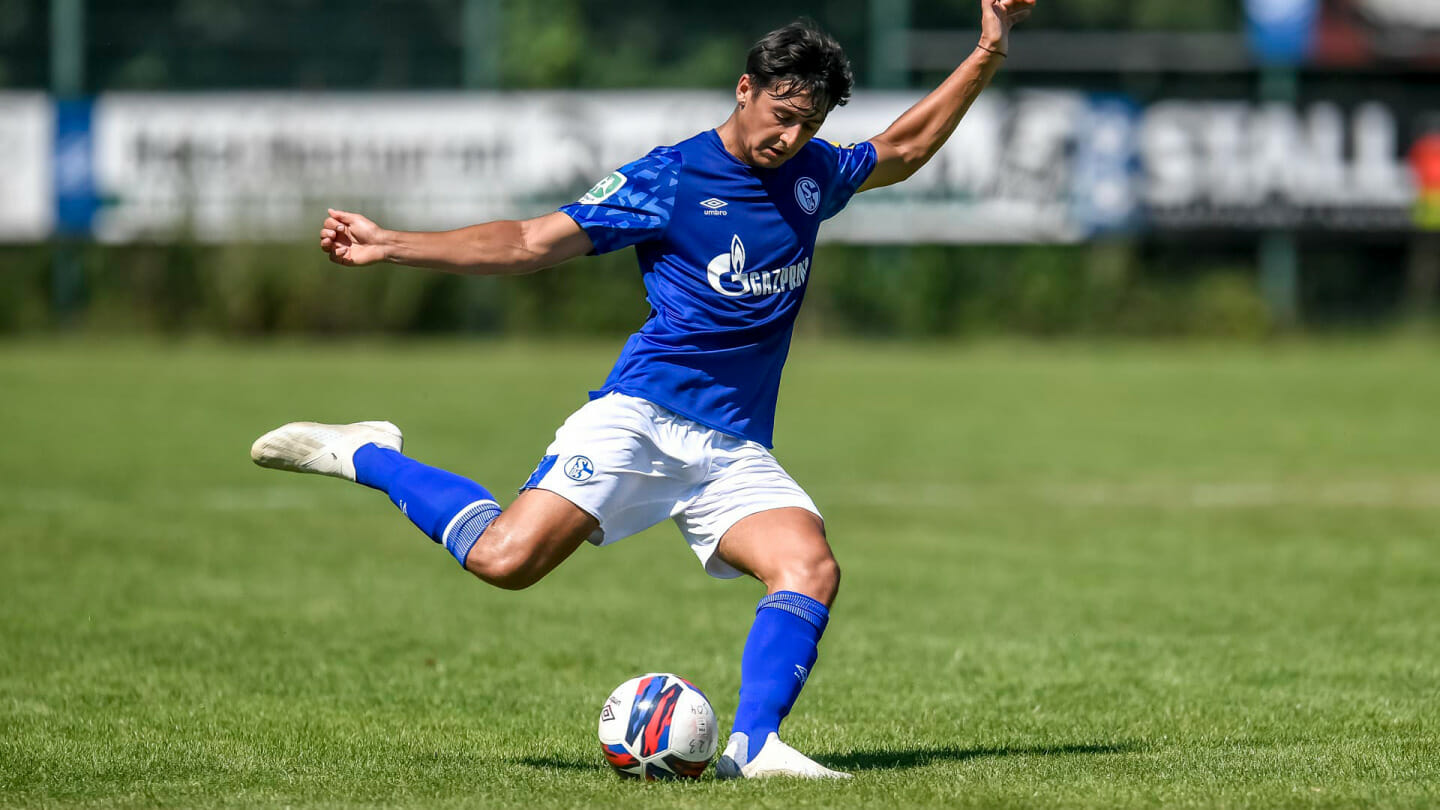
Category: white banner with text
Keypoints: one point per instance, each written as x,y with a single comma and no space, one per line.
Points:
1027,166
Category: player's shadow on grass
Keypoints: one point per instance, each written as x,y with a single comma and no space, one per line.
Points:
884,760
899,759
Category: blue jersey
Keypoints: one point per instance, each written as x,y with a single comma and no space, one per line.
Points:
725,251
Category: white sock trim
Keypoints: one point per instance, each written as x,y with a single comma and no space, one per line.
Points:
463,514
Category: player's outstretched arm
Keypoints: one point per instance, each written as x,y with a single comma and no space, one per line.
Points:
917,135
504,247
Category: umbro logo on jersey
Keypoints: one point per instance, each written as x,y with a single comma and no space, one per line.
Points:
714,207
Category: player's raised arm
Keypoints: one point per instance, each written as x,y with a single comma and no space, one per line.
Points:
917,135
505,247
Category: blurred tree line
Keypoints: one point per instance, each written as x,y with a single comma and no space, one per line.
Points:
401,44
923,291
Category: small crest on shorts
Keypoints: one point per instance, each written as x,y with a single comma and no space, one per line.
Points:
579,468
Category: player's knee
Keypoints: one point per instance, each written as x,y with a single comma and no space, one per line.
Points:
816,576
826,574
503,559
505,574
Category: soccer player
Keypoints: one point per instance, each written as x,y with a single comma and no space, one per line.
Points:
682,427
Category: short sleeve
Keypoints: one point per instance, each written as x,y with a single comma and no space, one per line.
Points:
632,204
852,166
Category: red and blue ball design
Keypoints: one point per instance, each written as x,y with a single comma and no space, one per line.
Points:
658,726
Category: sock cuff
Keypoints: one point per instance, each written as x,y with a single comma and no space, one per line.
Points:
812,611
465,528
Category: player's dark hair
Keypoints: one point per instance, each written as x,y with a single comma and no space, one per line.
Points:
801,60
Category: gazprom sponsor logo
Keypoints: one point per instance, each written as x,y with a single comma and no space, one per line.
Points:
728,277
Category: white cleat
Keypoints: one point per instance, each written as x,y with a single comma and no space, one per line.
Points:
775,759
312,447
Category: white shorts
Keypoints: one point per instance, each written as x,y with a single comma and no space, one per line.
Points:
631,463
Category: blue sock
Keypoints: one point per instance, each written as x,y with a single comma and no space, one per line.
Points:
453,510
779,654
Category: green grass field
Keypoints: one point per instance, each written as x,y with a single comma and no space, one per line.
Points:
1075,576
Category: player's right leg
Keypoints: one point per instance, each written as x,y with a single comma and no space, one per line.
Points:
750,517
522,543
786,549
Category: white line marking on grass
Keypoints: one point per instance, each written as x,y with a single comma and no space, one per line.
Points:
1397,494
1417,493
268,499
219,499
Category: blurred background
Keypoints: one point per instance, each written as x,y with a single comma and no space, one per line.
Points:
1210,168
1134,385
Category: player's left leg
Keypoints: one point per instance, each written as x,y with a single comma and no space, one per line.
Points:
785,549
522,544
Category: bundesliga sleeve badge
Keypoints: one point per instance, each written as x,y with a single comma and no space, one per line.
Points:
603,189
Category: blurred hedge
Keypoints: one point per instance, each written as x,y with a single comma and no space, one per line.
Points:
241,290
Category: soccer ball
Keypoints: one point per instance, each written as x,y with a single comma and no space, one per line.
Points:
658,726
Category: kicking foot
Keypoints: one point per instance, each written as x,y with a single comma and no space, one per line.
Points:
775,759
312,447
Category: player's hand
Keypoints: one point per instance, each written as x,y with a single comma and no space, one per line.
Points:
351,239
996,18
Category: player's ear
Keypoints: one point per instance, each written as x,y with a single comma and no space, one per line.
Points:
743,89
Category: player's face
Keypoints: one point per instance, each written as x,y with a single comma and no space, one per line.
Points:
773,128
